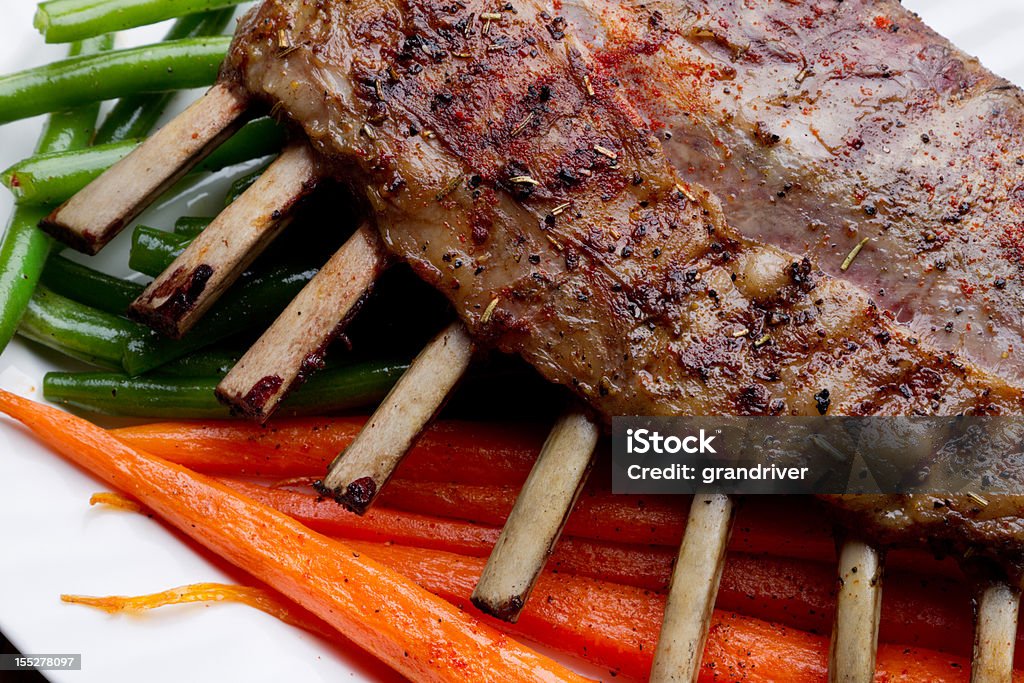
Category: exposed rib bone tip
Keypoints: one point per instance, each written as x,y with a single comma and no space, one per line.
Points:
995,634
94,216
295,344
357,475
858,609
357,497
692,592
182,294
536,520
508,610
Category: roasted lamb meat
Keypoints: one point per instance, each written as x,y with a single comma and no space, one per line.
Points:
503,163
519,183
825,123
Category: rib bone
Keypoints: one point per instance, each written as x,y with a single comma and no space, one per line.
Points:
858,608
995,635
102,209
537,519
294,345
173,302
691,595
357,475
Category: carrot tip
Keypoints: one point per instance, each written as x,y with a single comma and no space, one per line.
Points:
114,500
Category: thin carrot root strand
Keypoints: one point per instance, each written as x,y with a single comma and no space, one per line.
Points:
194,592
199,592
115,500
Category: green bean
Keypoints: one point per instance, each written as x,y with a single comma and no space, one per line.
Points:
135,116
206,363
178,64
153,250
90,287
252,303
47,179
61,21
340,389
91,295
56,177
239,187
208,21
88,323
24,249
191,226
76,330
22,255
256,139
74,129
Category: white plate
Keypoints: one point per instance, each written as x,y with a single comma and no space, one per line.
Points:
51,542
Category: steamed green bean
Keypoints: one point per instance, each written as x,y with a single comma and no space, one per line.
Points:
46,179
175,397
61,21
135,116
24,248
73,82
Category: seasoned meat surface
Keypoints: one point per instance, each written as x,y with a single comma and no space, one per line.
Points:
519,183
821,123
502,162
981,531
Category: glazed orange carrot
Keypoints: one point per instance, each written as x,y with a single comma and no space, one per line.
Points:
448,451
650,520
788,526
492,462
647,567
919,610
488,455
379,524
417,634
931,612
763,524
617,627
927,611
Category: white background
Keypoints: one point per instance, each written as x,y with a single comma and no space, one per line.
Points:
51,542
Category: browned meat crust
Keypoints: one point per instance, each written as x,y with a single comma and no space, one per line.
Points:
504,166
978,533
821,123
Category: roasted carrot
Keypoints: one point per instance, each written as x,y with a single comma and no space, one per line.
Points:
617,627
551,622
766,524
927,611
932,612
781,526
448,451
492,460
416,633
647,567
379,524
472,471
488,455
653,520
